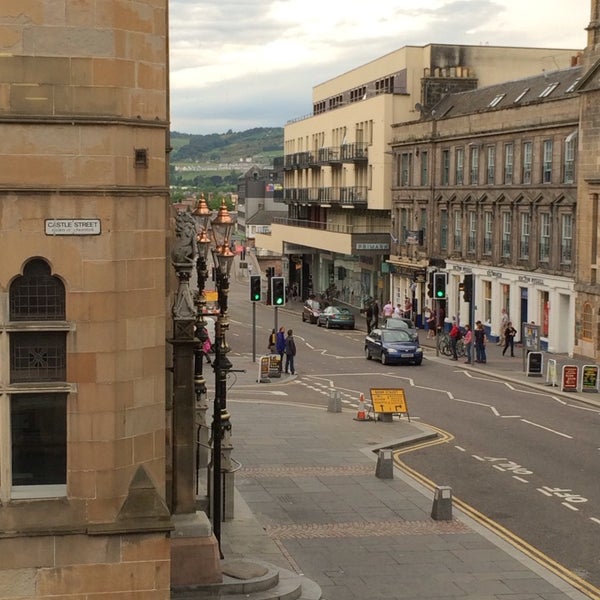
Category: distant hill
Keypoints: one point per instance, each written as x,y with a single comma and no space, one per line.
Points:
259,145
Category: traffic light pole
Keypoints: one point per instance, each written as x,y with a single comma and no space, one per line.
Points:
254,332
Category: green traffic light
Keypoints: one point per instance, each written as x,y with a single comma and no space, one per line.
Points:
440,294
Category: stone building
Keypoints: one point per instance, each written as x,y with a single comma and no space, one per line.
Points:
83,299
338,165
587,326
485,185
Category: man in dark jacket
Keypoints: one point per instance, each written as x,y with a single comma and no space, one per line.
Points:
290,352
280,345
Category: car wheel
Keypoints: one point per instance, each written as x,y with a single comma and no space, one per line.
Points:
303,318
318,323
327,324
368,353
418,362
384,358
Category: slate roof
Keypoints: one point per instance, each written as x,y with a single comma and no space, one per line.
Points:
545,87
264,217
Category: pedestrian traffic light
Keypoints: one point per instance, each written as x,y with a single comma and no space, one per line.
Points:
430,286
468,288
278,291
439,286
255,288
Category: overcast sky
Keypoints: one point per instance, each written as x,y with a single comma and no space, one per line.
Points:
238,64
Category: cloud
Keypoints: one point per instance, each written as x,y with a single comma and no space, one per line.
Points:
251,63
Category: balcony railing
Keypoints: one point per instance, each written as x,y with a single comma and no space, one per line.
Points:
333,227
347,196
355,152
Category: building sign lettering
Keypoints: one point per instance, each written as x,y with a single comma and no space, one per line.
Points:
373,246
72,227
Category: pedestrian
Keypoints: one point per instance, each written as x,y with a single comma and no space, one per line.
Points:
504,319
407,308
272,345
375,314
480,340
468,341
369,317
280,345
290,352
509,339
430,316
455,335
388,310
398,312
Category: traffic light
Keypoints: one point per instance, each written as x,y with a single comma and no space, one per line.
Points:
430,286
468,288
255,288
277,291
439,286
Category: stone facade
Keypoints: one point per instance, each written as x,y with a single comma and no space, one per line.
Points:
83,193
587,326
489,184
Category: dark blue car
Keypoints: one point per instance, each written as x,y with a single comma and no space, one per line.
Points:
393,346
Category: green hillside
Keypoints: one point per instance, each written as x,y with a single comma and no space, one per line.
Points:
212,163
259,145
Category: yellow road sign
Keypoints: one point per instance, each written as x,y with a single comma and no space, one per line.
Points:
388,400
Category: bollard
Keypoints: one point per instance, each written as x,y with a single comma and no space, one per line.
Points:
385,466
335,401
442,504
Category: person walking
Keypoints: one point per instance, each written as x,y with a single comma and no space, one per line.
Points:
290,352
430,315
375,314
369,317
455,335
468,341
479,335
509,339
280,346
388,311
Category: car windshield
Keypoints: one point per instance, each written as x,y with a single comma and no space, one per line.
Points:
334,310
395,335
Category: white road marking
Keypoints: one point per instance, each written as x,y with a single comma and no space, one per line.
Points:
570,437
520,479
569,506
595,520
460,448
545,492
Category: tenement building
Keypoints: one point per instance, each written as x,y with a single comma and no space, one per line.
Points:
485,186
587,324
338,165
83,206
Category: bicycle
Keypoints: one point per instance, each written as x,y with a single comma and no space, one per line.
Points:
445,346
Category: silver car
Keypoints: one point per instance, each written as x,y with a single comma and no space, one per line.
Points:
403,323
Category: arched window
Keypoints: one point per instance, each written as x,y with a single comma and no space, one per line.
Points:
38,365
586,321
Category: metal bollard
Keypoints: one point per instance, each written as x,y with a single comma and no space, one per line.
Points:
442,504
335,401
385,466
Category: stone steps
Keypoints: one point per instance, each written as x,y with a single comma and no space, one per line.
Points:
252,580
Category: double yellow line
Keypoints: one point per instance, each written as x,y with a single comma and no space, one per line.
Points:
444,437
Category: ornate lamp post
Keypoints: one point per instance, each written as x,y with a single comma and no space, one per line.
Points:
202,216
221,228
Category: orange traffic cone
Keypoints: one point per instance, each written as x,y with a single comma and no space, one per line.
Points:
361,415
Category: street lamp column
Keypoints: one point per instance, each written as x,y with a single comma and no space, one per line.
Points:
222,484
202,216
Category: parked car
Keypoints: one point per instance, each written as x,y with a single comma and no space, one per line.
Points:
403,323
393,346
336,316
311,311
